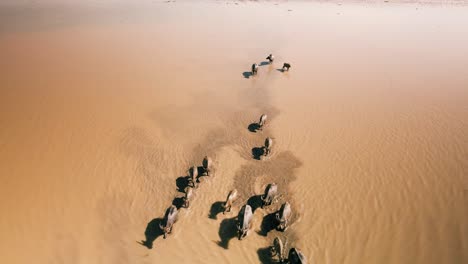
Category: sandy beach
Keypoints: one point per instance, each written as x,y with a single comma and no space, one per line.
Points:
104,106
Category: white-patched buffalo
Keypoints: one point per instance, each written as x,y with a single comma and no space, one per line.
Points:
295,256
270,58
193,175
169,219
262,122
268,145
286,66
244,221
278,249
283,217
207,164
270,194
187,197
232,196
254,68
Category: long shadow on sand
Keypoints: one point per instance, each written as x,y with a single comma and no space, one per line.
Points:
182,182
247,74
281,70
253,127
227,231
257,152
216,208
200,171
268,224
255,202
201,175
264,255
178,202
264,63
152,232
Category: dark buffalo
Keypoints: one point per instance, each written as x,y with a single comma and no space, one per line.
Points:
269,195
262,122
270,58
232,196
244,221
187,197
254,68
286,66
295,256
193,175
169,219
268,145
207,164
278,249
283,217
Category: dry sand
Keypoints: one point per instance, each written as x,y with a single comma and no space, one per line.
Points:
104,106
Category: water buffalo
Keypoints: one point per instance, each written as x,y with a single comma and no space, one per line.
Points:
169,219
270,193
295,256
286,66
268,145
278,249
193,175
187,197
270,58
254,68
207,163
244,221
262,122
283,217
232,196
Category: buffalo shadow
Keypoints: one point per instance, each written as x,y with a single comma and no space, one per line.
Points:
182,182
247,74
268,224
178,202
201,171
264,63
258,152
152,232
254,127
216,208
255,202
227,231
264,255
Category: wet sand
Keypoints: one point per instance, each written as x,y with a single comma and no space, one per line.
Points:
104,106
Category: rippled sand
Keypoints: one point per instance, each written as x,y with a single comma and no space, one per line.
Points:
105,105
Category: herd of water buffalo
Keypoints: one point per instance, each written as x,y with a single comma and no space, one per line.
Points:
270,59
245,215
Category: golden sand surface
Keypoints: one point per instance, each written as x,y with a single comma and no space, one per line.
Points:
104,105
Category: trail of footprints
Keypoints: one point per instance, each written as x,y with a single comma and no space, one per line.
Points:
279,220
